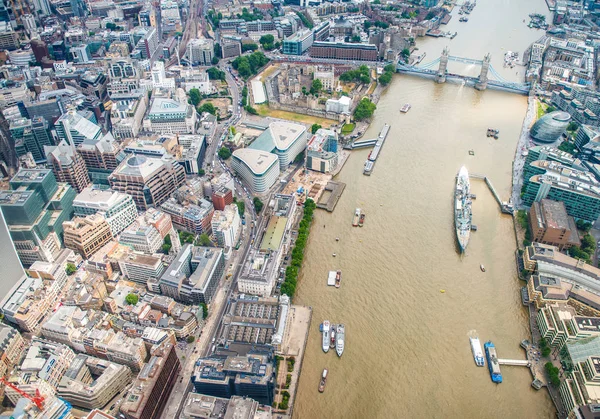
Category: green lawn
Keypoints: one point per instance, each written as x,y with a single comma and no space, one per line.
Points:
347,129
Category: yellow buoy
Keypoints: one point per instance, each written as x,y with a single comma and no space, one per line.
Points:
442,291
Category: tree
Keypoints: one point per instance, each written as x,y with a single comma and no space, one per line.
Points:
195,96
215,60
204,310
316,86
70,269
267,40
249,47
389,68
258,204
584,225
224,153
241,207
251,110
385,78
244,69
365,79
314,128
201,172
364,109
203,240
190,339
166,247
573,126
215,74
550,109
208,107
132,299
218,50
232,130
355,38
405,53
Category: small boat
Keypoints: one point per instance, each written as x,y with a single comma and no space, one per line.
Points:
405,108
442,291
337,239
321,328
332,339
482,268
333,255
356,217
326,336
341,337
477,351
361,220
338,278
323,381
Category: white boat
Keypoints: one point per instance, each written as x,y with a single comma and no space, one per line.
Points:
405,108
477,351
331,278
462,208
341,336
326,336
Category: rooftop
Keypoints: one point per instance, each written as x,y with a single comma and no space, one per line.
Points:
279,135
274,234
259,162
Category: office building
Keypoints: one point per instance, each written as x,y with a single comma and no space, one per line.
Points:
167,116
148,233
159,78
550,127
194,219
258,169
150,391
200,406
344,51
200,51
298,43
284,139
550,224
101,158
86,235
141,268
118,209
91,383
230,47
148,43
8,37
193,153
227,226
148,180
34,210
73,128
582,104
322,155
249,376
34,135
194,275
321,32
579,190
12,347
222,197
67,165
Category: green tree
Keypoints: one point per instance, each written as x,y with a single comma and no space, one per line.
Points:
244,69
218,50
550,109
215,74
405,53
258,204
365,79
241,207
190,339
385,78
208,107
203,240
314,128
215,60
573,126
249,47
364,109
70,269
132,299
251,110
201,172
355,38
316,86
195,96
166,247
224,153
390,68
267,39
204,310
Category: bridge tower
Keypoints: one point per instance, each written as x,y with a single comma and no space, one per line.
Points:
441,74
483,76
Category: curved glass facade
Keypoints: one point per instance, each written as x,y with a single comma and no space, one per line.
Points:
550,127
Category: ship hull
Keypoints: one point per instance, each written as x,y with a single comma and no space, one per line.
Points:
462,209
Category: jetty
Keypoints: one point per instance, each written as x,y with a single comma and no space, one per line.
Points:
505,207
361,144
370,163
331,195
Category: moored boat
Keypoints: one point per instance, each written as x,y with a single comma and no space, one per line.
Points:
405,108
341,337
356,217
332,339
492,360
326,336
462,208
338,279
482,268
477,352
323,381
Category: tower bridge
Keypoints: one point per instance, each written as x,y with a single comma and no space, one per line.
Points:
484,81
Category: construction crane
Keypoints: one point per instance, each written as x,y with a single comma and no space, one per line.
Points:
38,399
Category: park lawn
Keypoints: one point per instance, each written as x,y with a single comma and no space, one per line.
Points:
541,109
268,71
347,128
264,110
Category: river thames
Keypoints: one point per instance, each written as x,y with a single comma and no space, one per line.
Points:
407,350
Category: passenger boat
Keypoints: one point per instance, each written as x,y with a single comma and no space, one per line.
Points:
326,336
323,381
477,352
356,217
482,268
338,279
341,337
462,208
361,220
405,108
492,360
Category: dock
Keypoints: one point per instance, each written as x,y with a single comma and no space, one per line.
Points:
331,195
362,144
515,362
370,163
505,207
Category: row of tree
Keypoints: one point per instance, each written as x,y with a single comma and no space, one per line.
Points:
586,250
248,65
291,273
388,72
268,42
359,75
364,109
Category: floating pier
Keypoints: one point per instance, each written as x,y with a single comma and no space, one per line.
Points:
334,190
515,362
505,207
370,163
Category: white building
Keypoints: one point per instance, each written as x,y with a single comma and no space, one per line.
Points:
196,80
341,105
159,77
118,209
167,116
285,139
258,169
327,78
226,226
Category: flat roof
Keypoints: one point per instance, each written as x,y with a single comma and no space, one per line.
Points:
280,135
258,161
274,234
